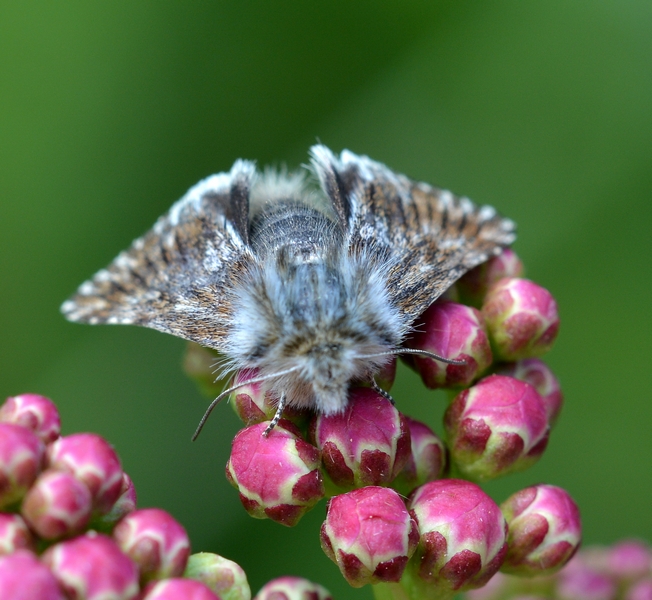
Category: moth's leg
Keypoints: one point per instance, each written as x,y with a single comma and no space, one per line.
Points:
277,416
381,391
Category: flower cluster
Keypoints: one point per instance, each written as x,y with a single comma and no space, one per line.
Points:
406,512
619,572
70,529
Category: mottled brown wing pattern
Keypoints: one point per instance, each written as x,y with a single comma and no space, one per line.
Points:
433,236
177,277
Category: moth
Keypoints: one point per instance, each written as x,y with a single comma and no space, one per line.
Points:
314,279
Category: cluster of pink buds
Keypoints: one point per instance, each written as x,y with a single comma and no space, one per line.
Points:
405,510
619,572
70,529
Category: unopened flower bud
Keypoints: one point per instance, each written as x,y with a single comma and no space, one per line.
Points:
367,444
641,590
21,458
92,567
521,317
253,403
462,534
57,505
178,589
125,503
473,286
225,577
292,588
496,427
155,541
278,476
199,364
92,460
544,530
14,534
539,375
24,577
369,534
427,458
456,332
579,581
628,560
36,413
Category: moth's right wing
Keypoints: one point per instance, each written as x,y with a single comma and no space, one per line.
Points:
432,236
177,277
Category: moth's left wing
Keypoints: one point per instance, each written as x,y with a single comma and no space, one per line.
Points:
177,277
432,236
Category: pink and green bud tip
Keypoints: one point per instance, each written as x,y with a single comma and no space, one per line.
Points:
36,413
225,577
14,534
92,460
462,535
539,375
156,542
427,459
21,460
456,332
24,577
292,588
473,286
278,476
496,427
57,505
178,589
125,503
544,530
92,567
367,444
521,318
254,404
369,534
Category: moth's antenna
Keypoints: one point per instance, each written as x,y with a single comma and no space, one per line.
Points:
226,392
459,363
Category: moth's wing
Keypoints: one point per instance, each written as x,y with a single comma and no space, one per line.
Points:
177,277
432,236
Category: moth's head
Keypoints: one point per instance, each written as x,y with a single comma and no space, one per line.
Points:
327,324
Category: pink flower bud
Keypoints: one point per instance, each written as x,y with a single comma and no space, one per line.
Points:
178,589
292,588
580,582
57,505
157,543
628,560
36,413
92,567
14,534
21,458
641,590
125,503
427,458
496,427
369,534
535,372
225,577
544,530
254,404
24,577
473,285
521,317
91,459
367,444
456,332
462,534
278,476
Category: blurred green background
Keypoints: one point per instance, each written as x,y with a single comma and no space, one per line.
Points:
110,111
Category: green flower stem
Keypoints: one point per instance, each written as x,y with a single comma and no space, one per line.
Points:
411,587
